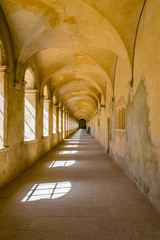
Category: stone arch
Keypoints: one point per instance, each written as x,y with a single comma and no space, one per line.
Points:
29,78
29,105
46,110
2,99
46,92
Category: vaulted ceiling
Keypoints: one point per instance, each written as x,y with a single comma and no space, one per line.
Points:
75,44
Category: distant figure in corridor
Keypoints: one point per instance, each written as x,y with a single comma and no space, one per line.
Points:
88,131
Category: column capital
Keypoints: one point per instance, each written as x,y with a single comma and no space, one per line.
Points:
55,105
2,71
41,98
31,91
46,100
24,83
3,68
17,87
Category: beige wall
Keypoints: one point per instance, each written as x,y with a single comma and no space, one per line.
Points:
136,149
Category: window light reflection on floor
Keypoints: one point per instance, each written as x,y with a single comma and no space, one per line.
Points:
68,152
61,163
47,191
71,141
69,146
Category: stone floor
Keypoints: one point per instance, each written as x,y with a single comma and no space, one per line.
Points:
76,192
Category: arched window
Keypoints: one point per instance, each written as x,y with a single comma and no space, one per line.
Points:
69,123
46,112
63,124
2,102
30,106
60,119
54,119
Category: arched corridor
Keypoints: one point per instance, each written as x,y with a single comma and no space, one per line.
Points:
76,192
89,68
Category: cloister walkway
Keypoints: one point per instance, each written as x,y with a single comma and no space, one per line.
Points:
76,192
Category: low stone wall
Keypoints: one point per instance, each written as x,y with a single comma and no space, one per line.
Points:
14,160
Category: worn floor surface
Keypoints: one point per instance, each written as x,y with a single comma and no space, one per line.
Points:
76,192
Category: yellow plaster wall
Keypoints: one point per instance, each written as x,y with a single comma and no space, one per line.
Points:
137,149
146,73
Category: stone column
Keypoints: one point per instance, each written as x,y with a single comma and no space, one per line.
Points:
46,105
39,116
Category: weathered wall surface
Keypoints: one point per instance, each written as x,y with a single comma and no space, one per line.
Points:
143,119
99,127
136,149
140,161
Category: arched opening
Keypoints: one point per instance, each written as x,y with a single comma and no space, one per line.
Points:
63,124
3,97
30,106
82,123
46,112
60,120
1,108
54,119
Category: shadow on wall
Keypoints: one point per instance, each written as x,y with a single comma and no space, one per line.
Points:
82,123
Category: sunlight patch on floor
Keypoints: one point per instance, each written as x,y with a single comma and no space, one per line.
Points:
71,141
67,152
47,191
70,146
61,163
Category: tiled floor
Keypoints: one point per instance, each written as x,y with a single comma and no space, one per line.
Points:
76,192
